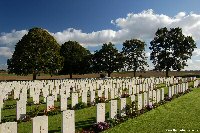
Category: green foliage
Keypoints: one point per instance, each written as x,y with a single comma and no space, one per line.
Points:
134,53
34,111
37,51
79,105
76,58
107,59
171,49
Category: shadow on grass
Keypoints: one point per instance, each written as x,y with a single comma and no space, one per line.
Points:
86,123
55,131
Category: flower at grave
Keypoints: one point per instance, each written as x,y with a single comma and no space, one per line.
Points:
149,107
100,126
51,108
100,99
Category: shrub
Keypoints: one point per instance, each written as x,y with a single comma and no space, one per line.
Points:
34,112
80,105
30,103
113,122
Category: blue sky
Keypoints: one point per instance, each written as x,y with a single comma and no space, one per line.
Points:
93,22
88,15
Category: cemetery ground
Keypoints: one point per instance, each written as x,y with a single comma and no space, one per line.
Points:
5,76
180,113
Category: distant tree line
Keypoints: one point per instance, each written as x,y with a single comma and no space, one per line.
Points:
38,52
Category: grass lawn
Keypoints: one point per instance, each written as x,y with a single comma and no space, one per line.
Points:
180,113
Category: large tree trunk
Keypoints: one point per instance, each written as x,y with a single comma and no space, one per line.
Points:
109,73
70,75
34,75
167,73
134,72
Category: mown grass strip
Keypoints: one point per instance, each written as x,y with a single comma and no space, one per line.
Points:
180,113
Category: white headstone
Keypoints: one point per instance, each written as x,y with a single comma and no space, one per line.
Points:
157,95
21,110
145,99
132,98
139,101
154,96
113,109
162,93
68,121
50,102
63,102
40,124
112,94
100,112
8,127
149,98
92,96
74,99
170,91
84,97
106,93
123,107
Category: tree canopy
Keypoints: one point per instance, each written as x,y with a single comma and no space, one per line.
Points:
134,53
171,49
107,59
37,51
76,58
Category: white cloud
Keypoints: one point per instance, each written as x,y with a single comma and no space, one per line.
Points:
148,54
6,52
10,39
193,65
135,25
93,38
196,52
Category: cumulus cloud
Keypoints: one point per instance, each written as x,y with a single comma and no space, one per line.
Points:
135,25
10,39
93,38
141,25
196,52
193,64
6,52
148,54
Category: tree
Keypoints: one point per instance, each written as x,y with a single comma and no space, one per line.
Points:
171,49
76,58
134,53
107,59
37,51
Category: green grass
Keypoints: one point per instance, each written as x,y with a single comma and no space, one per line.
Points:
180,113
